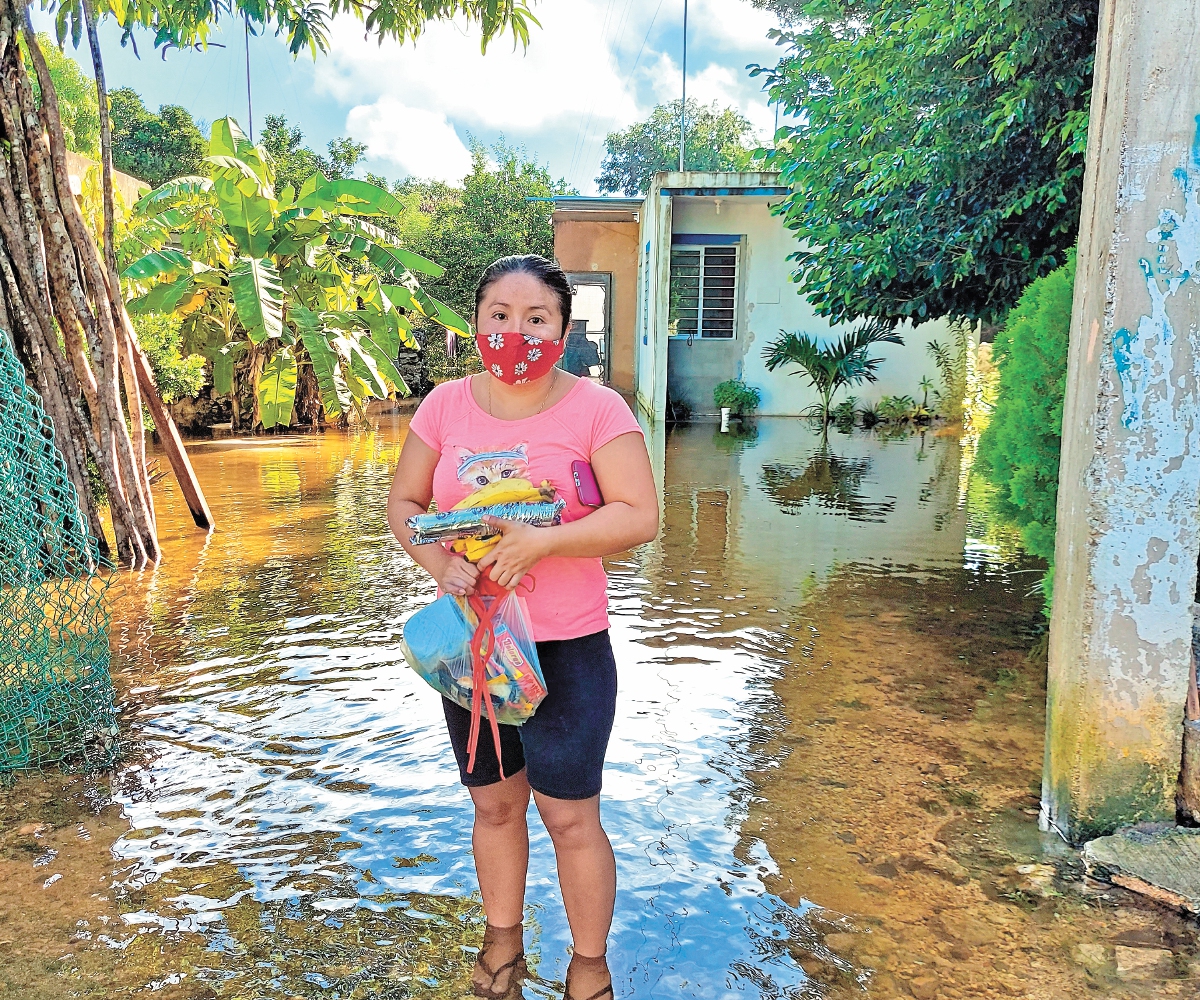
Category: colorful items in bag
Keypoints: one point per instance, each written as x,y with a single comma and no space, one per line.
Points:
462,650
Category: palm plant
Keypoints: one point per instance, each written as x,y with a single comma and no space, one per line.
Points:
830,367
288,278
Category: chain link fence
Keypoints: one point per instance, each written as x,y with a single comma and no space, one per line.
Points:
56,694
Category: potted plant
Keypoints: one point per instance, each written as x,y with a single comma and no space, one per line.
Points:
733,396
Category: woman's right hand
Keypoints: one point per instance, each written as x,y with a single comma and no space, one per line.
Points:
458,577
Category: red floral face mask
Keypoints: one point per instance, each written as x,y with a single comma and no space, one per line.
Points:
516,358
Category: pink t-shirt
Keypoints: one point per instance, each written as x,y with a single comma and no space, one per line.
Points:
570,596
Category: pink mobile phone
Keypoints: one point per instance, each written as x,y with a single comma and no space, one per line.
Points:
586,485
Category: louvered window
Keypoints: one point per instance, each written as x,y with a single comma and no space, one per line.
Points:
703,292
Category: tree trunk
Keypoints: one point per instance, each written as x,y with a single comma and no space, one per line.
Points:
133,396
53,282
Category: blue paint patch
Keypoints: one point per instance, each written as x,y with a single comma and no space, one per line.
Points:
1122,347
1142,357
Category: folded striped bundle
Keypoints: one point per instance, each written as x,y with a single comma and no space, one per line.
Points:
449,525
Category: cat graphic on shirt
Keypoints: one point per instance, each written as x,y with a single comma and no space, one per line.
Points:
479,469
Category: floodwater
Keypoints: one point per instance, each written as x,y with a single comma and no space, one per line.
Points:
822,782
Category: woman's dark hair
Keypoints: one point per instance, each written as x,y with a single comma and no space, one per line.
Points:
546,271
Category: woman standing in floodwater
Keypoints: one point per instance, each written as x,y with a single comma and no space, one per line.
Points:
523,417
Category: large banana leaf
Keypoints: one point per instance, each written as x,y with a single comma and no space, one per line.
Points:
245,196
347,195
384,353
364,198
293,236
389,330
227,140
223,362
384,254
250,217
277,389
158,262
162,298
172,193
364,366
326,362
408,259
258,298
439,312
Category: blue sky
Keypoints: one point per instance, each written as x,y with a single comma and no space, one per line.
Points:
595,65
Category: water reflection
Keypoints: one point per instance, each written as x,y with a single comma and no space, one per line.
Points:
293,822
828,480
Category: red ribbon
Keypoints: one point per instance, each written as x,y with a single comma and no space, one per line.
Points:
483,643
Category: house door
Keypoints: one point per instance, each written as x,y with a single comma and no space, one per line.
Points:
591,313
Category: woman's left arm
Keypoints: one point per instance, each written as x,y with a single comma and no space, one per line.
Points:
629,517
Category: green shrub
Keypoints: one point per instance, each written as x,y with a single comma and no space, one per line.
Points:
869,414
844,413
896,409
738,396
1018,452
952,369
177,376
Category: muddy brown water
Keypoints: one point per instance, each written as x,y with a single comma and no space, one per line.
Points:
822,783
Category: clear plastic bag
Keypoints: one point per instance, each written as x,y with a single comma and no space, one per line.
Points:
439,641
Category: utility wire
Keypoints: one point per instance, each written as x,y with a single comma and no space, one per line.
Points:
641,51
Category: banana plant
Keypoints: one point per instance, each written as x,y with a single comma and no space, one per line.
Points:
293,278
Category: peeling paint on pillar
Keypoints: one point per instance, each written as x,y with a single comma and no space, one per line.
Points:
1130,479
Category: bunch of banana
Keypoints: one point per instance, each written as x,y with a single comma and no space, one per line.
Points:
501,491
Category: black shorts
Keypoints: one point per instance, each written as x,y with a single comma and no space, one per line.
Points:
562,746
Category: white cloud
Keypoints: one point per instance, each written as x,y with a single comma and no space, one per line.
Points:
564,79
715,82
732,24
721,84
574,83
421,143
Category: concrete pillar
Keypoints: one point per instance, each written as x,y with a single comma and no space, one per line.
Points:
1129,482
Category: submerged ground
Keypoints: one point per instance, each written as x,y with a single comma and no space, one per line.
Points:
823,780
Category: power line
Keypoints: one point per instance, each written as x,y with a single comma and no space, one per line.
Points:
641,51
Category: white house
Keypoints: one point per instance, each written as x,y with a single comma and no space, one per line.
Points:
713,289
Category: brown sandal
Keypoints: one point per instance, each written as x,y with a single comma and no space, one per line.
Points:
593,965
498,938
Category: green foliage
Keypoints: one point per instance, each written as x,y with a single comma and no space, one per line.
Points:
303,26
441,367
490,217
868,413
1019,450
830,367
935,155
77,102
899,410
153,147
739,397
953,370
161,338
716,140
294,162
844,413
291,278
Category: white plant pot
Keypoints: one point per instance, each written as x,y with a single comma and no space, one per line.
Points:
725,419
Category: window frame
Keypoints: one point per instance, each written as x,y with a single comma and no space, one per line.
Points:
703,243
